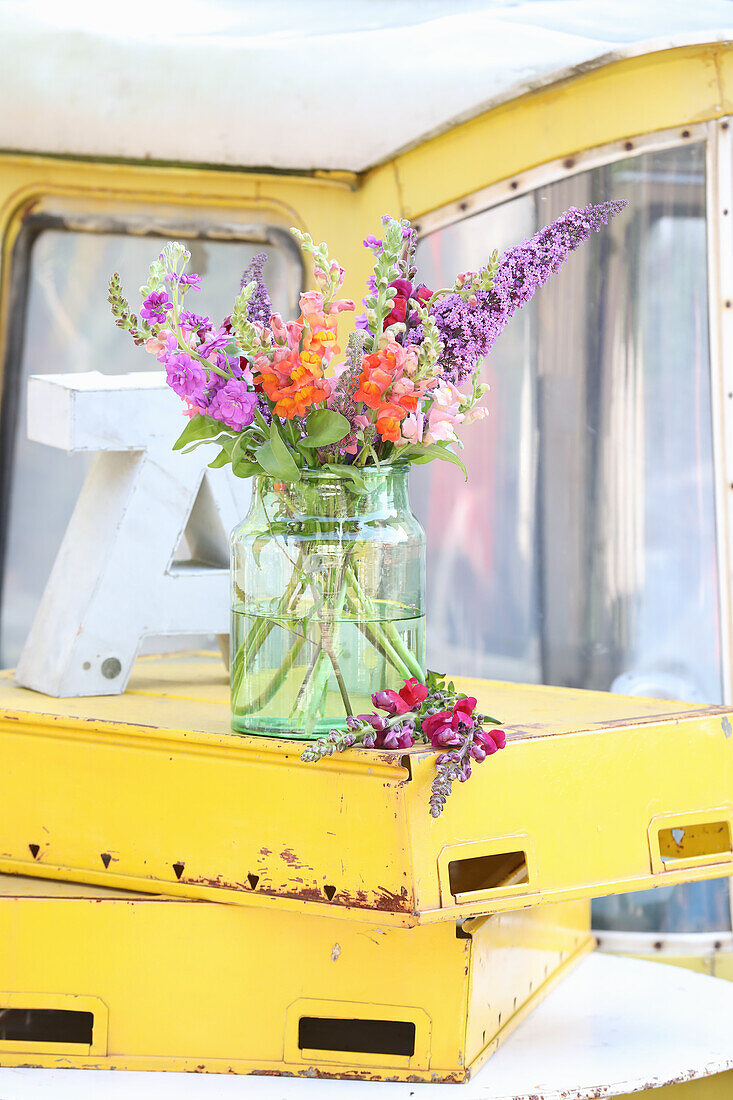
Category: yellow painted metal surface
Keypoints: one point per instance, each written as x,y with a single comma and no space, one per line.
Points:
150,791
223,988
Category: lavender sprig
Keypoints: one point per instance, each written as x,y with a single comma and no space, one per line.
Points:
469,325
260,306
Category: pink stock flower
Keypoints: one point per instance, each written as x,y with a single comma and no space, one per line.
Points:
234,405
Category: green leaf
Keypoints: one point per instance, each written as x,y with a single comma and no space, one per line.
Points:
242,464
198,427
323,427
221,439
358,486
258,546
222,459
421,454
275,457
246,468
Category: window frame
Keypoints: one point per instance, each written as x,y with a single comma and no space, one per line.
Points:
76,215
717,137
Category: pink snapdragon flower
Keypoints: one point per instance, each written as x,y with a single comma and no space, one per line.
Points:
412,428
479,412
444,414
286,332
390,702
443,728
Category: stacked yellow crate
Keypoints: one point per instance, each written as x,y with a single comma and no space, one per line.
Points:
363,937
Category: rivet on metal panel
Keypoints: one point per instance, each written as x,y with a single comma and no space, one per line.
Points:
179,868
35,849
329,891
111,668
253,880
106,859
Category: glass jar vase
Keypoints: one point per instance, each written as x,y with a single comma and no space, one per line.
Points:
328,586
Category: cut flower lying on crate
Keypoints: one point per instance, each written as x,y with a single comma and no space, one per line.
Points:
431,713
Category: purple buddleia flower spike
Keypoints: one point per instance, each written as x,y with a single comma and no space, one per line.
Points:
259,308
469,329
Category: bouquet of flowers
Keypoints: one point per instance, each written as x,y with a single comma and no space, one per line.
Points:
280,402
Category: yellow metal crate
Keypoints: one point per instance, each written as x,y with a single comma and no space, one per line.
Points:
150,791
102,979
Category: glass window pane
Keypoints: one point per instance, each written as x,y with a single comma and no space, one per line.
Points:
68,327
582,551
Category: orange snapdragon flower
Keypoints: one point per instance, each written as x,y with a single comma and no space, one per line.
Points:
389,419
295,389
378,372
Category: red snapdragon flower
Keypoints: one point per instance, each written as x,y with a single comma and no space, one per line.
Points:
490,740
442,728
414,693
401,301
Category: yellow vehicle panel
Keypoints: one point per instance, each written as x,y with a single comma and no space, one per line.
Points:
151,791
155,983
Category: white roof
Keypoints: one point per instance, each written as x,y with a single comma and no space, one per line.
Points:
299,84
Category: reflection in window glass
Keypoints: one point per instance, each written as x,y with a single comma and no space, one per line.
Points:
582,551
69,327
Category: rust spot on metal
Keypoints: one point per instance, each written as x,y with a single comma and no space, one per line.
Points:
382,900
290,858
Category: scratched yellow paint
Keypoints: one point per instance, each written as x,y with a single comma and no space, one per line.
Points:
150,791
189,985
